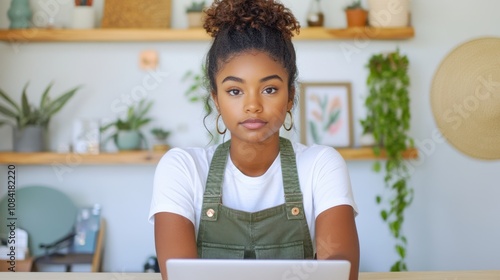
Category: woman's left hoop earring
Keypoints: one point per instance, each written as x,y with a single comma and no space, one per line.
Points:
217,126
291,124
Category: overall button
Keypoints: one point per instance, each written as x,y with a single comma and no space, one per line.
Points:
210,213
295,211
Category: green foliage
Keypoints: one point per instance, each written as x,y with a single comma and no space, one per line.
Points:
25,114
356,4
196,6
197,92
135,119
388,118
160,133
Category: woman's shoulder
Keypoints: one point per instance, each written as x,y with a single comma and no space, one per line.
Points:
315,151
188,156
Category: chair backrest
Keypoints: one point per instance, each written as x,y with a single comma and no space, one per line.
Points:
45,213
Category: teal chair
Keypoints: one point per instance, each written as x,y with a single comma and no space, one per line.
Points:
49,217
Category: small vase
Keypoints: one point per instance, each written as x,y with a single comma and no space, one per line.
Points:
29,139
315,16
19,14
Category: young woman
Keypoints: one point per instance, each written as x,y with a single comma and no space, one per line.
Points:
257,195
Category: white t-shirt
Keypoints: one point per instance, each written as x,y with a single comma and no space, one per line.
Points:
181,174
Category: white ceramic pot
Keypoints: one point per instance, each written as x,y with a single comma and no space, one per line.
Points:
83,17
389,13
367,139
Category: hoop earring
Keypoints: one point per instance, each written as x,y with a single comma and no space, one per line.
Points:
217,126
291,124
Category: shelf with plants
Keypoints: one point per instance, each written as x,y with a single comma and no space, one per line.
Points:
143,157
191,34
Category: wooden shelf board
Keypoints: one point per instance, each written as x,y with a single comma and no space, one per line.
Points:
366,153
191,34
47,158
140,157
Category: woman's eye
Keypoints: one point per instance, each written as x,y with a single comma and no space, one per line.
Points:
234,92
270,90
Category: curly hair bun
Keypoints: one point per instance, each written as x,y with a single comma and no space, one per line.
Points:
242,14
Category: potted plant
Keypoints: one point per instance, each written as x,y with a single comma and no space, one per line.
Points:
195,14
388,118
127,134
30,123
160,136
355,14
389,13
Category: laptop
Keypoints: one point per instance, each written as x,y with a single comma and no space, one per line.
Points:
217,269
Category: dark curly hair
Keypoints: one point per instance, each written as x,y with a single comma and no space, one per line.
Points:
242,25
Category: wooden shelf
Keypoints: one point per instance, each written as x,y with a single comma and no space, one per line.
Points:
366,153
139,157
197,34
47,158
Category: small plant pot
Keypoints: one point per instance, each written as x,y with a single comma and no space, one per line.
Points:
160,145
128,140
29,139
367,140
389,13
195,19
356,17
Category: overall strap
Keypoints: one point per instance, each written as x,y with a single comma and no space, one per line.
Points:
212,197
291,185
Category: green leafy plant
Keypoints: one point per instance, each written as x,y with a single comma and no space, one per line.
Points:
134,120
196,6
388,118
356,4
26,114
160,133
197,92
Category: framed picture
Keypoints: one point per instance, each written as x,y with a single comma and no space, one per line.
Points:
325,114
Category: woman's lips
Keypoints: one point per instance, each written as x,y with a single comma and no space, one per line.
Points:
253,123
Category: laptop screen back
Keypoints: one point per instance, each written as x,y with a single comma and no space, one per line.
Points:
210,269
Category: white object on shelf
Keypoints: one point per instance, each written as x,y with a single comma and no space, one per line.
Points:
389,13
83,17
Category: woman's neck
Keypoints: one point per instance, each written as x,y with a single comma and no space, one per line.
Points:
254,159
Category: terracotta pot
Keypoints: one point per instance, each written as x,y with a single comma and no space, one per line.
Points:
356,17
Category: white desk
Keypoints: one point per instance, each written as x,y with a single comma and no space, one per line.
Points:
431,275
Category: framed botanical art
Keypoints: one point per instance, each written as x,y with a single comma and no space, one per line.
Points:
326,114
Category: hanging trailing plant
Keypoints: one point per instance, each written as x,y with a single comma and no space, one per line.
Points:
388,119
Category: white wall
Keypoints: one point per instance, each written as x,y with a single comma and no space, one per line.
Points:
453,222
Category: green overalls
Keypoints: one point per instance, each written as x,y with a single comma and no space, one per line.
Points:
279,232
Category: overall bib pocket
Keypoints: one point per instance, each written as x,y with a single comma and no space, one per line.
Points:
290,250
221,251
